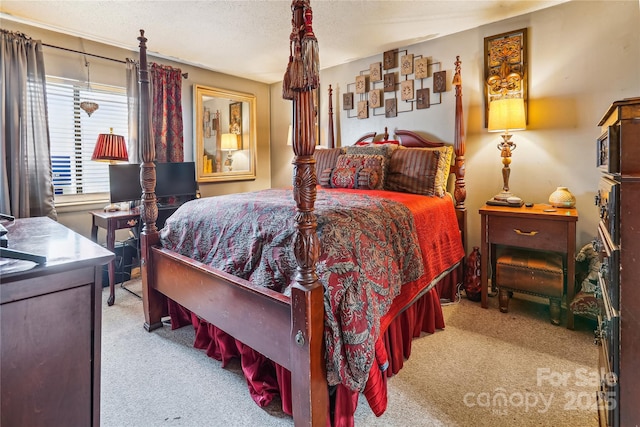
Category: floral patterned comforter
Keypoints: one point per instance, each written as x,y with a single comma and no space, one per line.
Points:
370,248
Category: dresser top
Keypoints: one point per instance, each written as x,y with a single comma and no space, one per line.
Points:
63,248
628,108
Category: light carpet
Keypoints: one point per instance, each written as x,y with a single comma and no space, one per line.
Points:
485,368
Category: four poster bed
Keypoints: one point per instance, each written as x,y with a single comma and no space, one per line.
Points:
317,289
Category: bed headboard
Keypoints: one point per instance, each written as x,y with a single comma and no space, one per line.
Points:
409,138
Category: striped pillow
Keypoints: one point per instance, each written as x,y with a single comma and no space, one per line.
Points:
326,158
419,170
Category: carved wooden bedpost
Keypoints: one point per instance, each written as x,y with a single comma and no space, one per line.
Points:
149,212
330,134
460,192
308,370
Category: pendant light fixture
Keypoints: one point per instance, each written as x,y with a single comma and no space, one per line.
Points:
88,106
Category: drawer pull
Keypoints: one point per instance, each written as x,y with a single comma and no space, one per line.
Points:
525,233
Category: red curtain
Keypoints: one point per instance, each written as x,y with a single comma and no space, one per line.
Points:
166,90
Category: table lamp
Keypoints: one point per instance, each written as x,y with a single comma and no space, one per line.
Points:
229,142
506,115
110,148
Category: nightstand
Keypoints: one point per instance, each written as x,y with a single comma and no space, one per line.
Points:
112,221
539,227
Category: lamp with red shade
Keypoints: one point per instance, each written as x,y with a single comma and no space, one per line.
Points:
113,149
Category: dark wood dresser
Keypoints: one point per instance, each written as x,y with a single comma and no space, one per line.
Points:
618,242
50,326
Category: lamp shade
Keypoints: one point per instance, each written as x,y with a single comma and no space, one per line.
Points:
110,148
229,141
506,115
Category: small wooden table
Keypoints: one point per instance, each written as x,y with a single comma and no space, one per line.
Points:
112,221
539,227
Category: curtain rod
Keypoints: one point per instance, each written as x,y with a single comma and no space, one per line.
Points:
184,75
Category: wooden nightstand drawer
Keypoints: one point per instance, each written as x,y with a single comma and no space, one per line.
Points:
528,233
127,222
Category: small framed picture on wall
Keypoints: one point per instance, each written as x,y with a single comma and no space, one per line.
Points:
347,101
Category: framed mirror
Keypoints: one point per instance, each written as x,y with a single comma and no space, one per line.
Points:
225,134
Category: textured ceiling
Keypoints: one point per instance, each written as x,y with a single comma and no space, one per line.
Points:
250,38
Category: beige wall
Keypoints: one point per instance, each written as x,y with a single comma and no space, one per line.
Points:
583,55
71,65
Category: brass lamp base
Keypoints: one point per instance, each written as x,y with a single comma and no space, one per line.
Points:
229,161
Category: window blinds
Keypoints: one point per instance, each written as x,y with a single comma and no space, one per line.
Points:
73,133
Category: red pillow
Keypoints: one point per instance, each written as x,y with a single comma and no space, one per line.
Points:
366,161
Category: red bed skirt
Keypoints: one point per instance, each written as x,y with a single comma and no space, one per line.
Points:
266,379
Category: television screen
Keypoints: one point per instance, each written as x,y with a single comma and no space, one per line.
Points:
172,179
176,179
124,182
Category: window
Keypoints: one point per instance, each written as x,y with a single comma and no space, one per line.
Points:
74,133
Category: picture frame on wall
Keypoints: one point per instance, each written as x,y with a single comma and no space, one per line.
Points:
235,120
406,90
389,60
390,108
439,81
422,99
505,68
363,110
406,64
375,72
390,82
375,98
347,101
361,84
422,68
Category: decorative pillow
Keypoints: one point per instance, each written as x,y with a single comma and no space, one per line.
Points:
369,178
364,161
324,178
420,170
326,158
344,177
586,304
379,149
384,150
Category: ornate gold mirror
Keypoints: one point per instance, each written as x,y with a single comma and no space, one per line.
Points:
225,134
